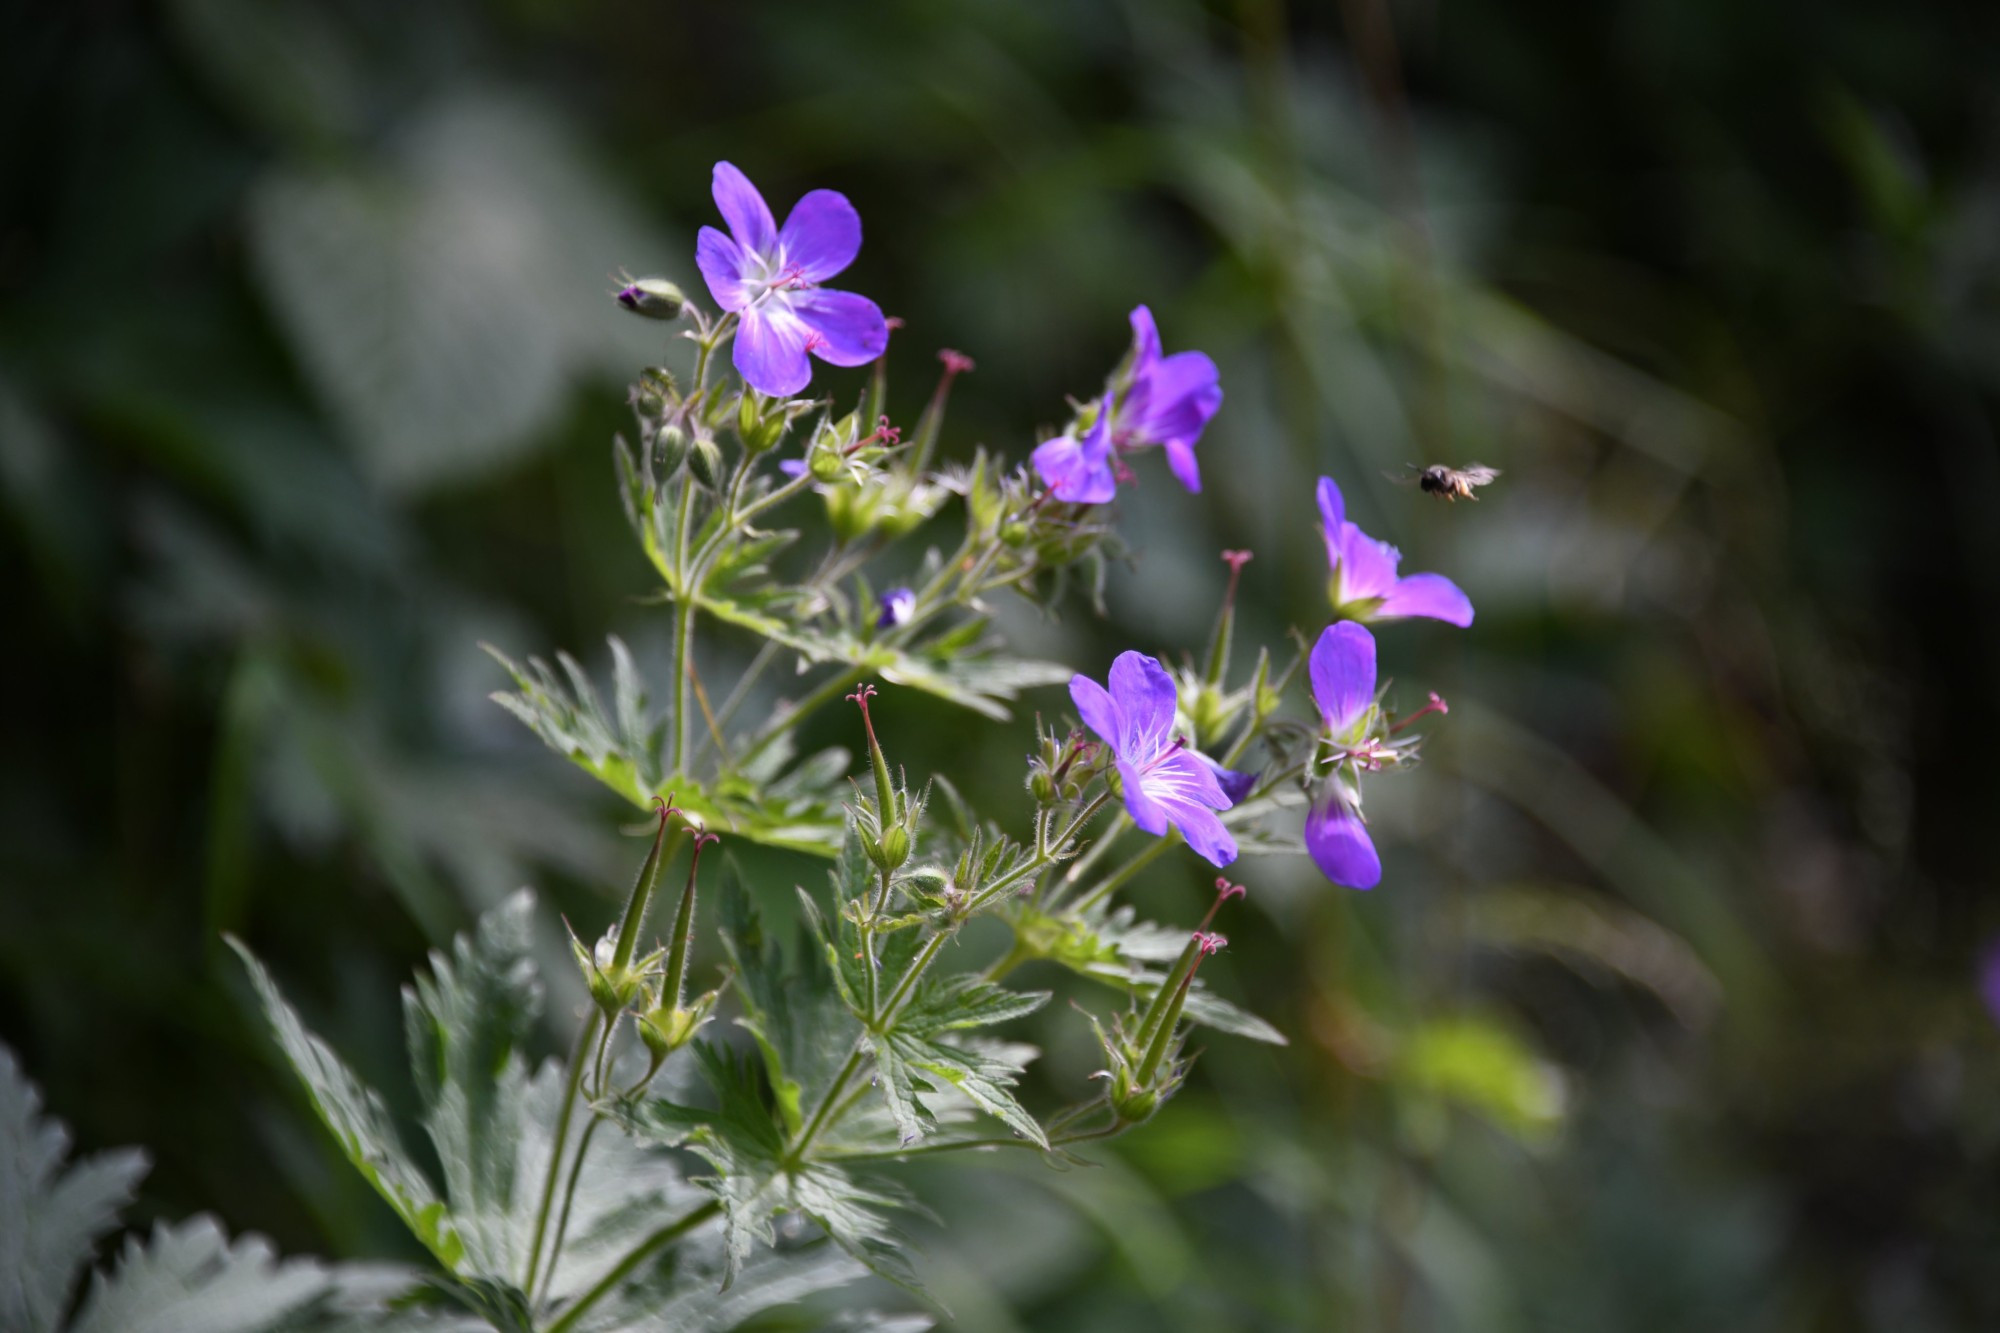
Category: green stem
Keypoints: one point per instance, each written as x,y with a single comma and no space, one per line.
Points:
1097,849
925,1149
643,1251
826,693
569,1199
826,1105
576,1059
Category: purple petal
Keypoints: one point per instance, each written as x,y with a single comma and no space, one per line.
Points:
1342,669
1332,509
1205,833
1431,595
1145,812
896,606
1367,567
792,467
1146,697
1236,786
1145,339
1340,846
770,351
850,328
1184,777
821,236
1179,395
1094,705
1180,457
748,216
1077,473
721,262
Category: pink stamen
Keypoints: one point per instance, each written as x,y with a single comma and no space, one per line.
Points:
1436,705
955,362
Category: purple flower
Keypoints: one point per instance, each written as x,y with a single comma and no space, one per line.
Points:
1365,586
770,276
1342,671
1169,401
896,604
1165,782
1989,979
1079,471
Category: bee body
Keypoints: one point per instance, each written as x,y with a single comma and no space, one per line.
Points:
1447,483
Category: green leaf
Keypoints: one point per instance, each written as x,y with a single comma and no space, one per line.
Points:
465,1023
51,1212
798,808
359,1121
944,1004
756,1182
978,1075
191,1277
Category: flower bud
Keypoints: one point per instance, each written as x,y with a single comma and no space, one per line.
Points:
1042,785
757,424
1014,533
891,849
704,461
667,1028
825,463
672,444
612,989
654,298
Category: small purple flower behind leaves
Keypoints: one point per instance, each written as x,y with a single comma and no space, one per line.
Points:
896,604
770,277
1365,585
1164,782
1168,402
1078,470
1342,671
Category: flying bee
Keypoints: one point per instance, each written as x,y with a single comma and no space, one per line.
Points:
1447,483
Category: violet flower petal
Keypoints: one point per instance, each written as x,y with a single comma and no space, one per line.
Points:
1139,803
1146,699
770,351
721,262
1181,393
1180,458
1145,339
821,235
1096,707
1431,595
1367,567
851,330
1339,845
1342,671
1079,471
744,209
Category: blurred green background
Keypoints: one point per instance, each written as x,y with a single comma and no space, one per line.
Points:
1666,1015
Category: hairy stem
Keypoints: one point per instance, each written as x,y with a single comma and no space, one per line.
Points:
639,1254
576,1061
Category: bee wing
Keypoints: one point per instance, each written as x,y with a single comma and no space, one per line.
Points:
1478,474
1406,478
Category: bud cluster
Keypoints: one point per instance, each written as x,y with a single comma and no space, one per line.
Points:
1062,765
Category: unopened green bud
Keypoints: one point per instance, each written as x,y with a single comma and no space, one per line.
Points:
672,444
668,1028
613,988
826,464
654,298
891,849
1014,533
1135,1105
704,461
1042,785
757,425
